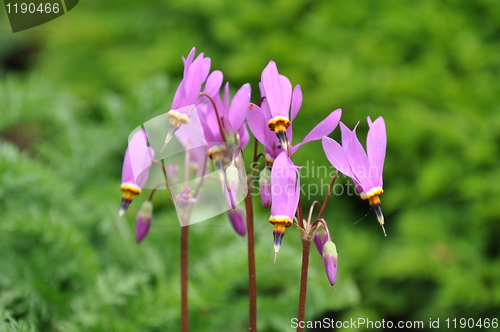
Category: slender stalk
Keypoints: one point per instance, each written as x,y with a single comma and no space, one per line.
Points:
252,279
306,246
184,278
325,202
219,120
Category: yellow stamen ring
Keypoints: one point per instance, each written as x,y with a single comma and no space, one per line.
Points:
279,123
372,193
130,187
280,220
177,118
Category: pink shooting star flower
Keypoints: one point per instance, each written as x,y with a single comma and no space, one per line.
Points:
187,95
138,159
285,191
365,169
222,133
261,119
265,187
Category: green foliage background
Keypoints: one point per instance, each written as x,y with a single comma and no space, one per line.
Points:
72,90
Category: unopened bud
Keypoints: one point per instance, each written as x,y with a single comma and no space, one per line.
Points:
232,177
237,219
320,237
265,187
330,260
143,221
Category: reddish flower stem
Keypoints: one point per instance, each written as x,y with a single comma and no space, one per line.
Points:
184,278
252,279
306,246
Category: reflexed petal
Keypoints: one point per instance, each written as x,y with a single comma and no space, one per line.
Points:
296,101
336,156
138,158
278,90
193,81
324,128
258,124
214,83
358,160
239,106
188,61
285,186
376,143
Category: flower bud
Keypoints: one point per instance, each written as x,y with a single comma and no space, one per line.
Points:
265,187
330,260
143,221
231,187
320,237
237,219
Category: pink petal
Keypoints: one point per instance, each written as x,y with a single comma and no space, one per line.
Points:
214,83
376,143
285,186
188,61
278,90
257,123
336,155
239,106
324,128
296,101
138,159
358,160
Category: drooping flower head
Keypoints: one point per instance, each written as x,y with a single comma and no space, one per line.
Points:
138,159
225,132
187,94
365,169
285,191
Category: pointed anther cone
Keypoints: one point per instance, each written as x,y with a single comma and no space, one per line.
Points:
278,233
375,204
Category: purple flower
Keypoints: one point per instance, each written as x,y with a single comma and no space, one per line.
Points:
330,260
232,114
138,159
143,221
237,219
188,92
365,169
273,114
285,192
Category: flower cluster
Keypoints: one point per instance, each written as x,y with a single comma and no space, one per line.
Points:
221,126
